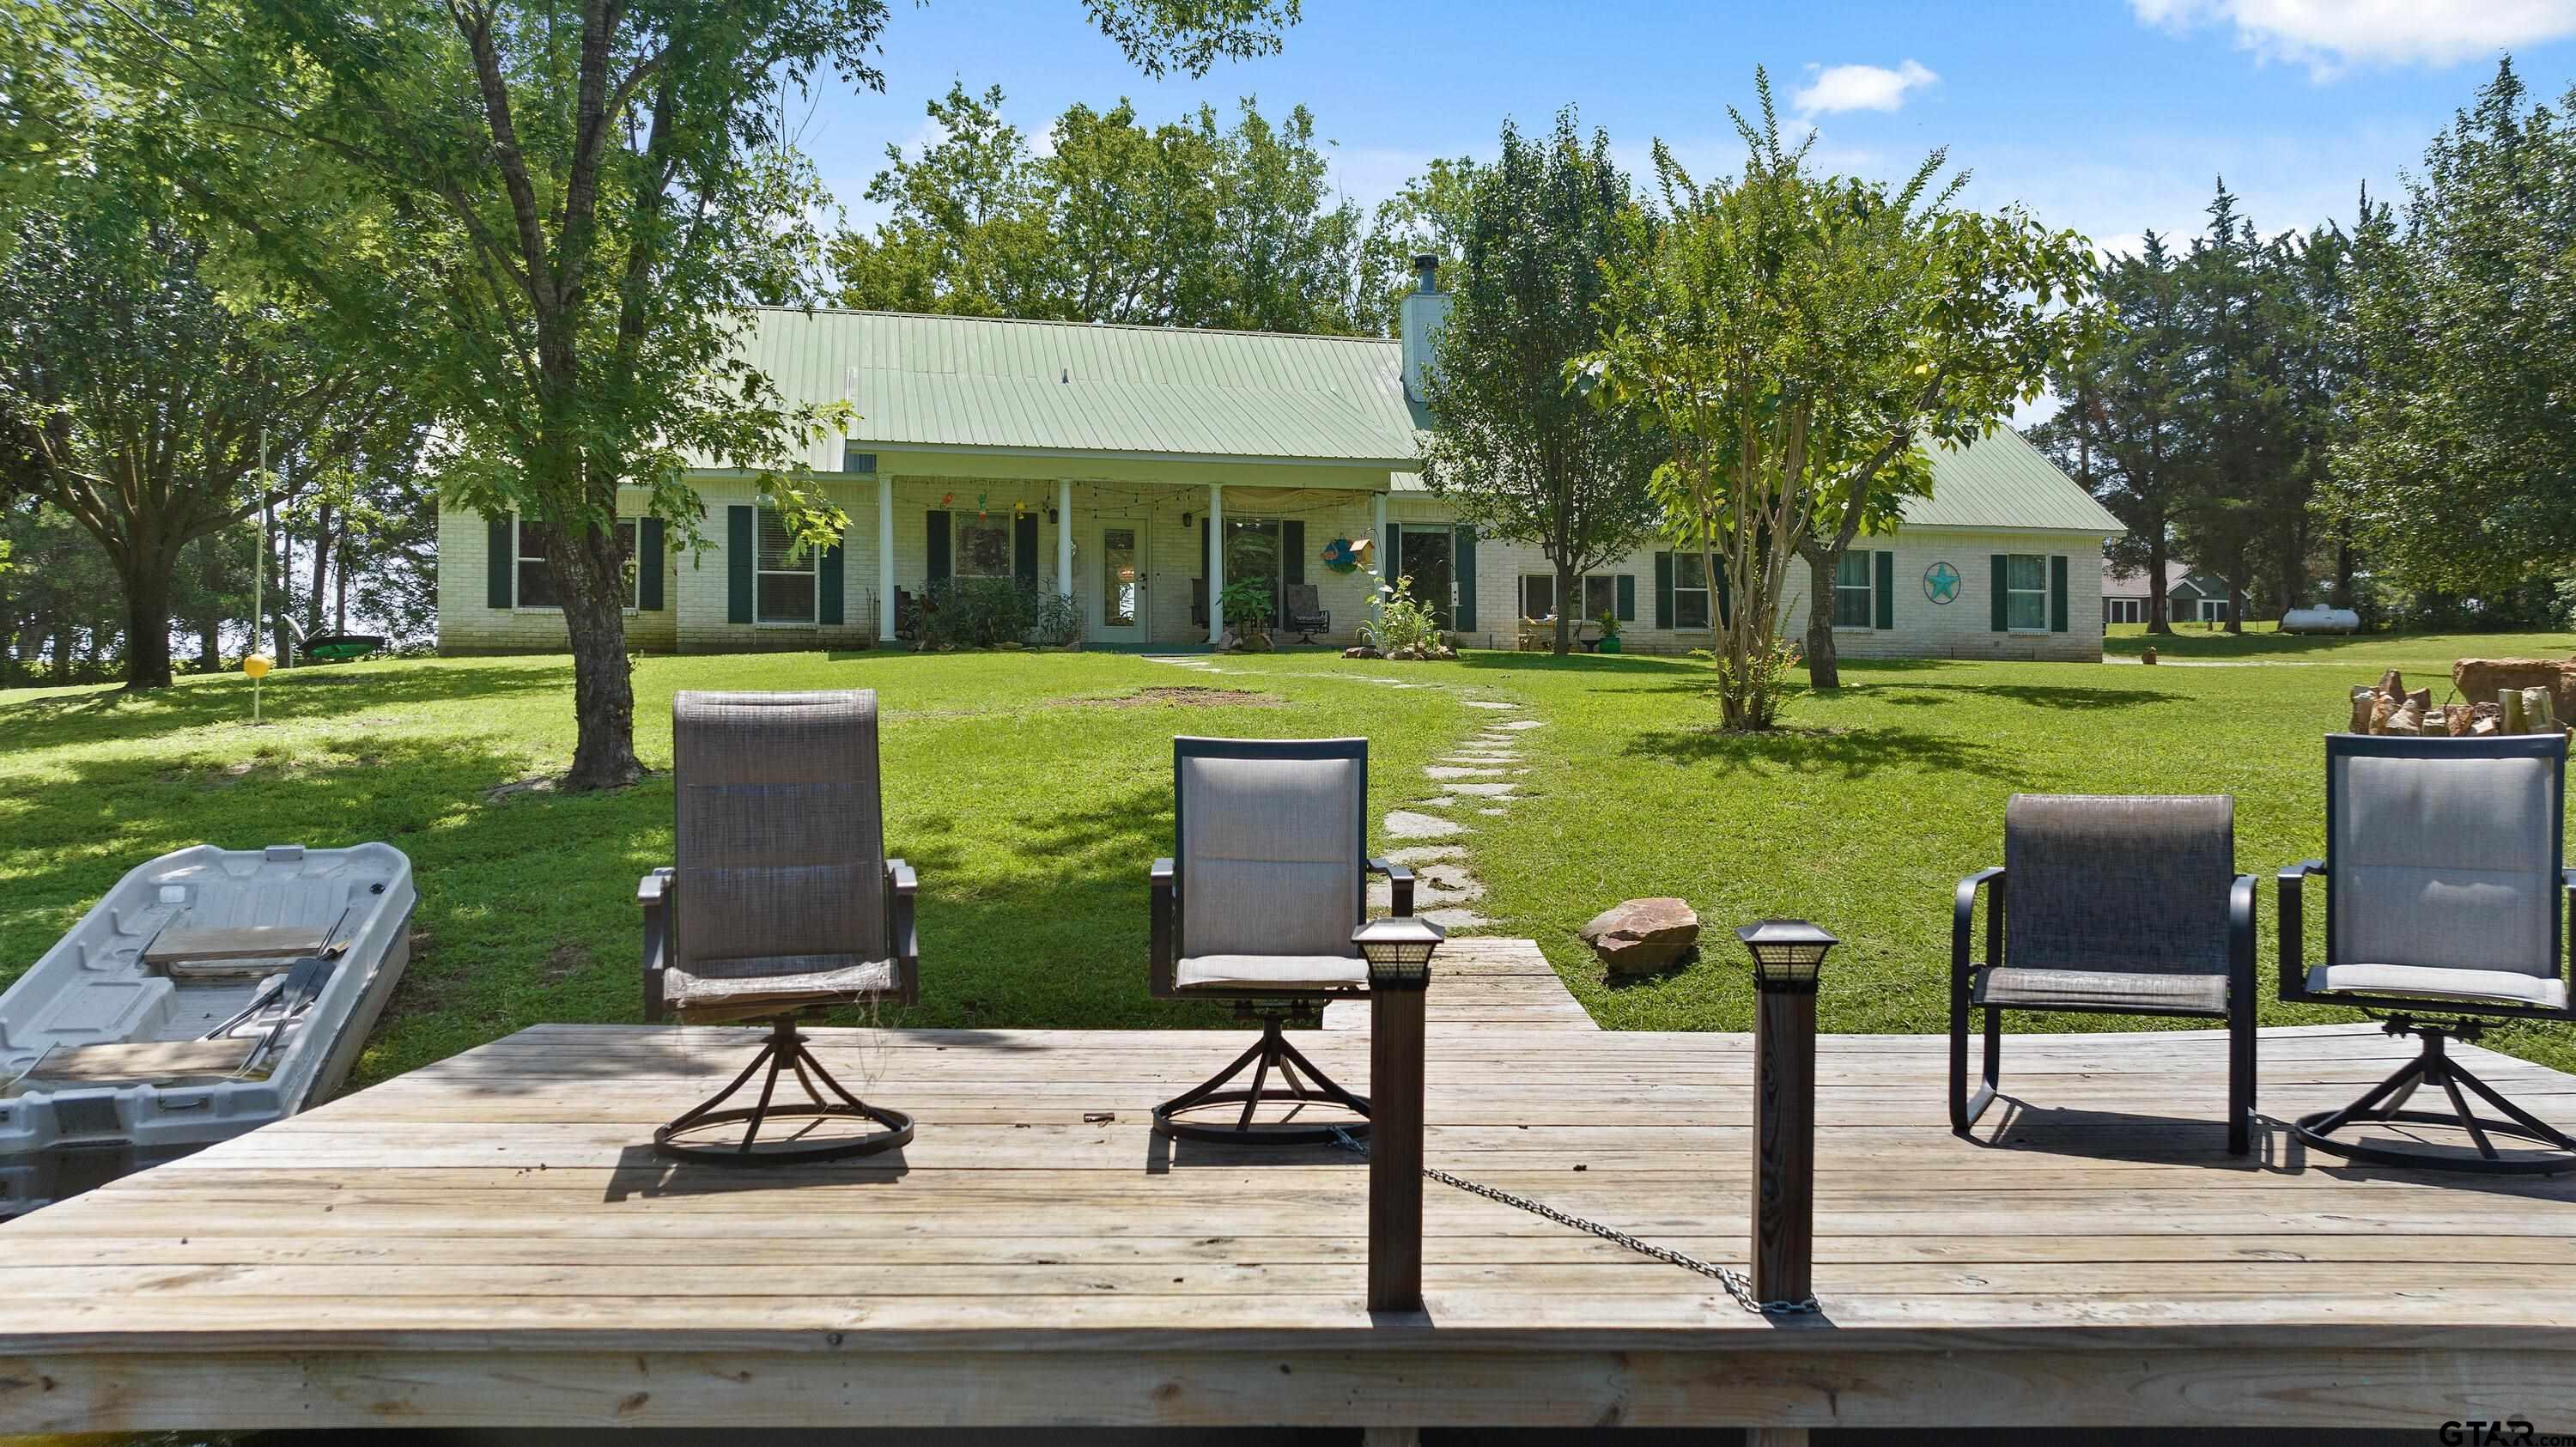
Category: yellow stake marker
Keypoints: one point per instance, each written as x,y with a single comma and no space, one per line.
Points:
257,666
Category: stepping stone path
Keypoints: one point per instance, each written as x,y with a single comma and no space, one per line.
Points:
1478,774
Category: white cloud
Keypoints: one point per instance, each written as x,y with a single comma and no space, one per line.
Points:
1865,87
2327,36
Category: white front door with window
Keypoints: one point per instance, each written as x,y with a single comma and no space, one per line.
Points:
1118,584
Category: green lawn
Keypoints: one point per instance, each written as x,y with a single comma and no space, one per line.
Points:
1031,789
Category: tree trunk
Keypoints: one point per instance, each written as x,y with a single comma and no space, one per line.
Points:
321,571
1565,620
147,623
340,582
2343,573
589,579
62,653
2159,607
2235,603
279,635
210,622
1823,668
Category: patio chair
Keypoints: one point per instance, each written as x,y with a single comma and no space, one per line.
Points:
782,903
1302,610
2444,870
2115,906
1267,879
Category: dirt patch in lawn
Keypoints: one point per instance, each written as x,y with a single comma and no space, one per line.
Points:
1183,697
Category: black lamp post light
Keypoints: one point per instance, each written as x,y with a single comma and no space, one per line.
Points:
1398,951
1787,956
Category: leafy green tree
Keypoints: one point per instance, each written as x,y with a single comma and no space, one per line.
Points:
1800,339
1182,224
2120,429
2237,402
552,219
1526,457
2459,474
1429,217
132,399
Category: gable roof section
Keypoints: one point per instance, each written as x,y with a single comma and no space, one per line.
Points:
2001,481
993,384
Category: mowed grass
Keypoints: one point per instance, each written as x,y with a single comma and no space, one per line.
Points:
1031,789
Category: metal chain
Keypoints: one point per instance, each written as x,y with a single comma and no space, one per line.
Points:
1737,1284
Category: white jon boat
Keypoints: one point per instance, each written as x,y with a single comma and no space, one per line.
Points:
211,992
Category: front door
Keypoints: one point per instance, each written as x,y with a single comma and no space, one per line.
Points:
1118,584
1426,562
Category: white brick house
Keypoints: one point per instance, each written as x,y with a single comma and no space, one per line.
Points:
1099,461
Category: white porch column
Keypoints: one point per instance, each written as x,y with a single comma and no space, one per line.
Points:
1064,537
885,557
1377,548
1215,523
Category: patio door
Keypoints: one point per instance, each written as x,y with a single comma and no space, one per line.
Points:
1118,584
1427,562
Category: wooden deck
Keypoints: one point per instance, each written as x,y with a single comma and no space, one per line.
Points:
490,1241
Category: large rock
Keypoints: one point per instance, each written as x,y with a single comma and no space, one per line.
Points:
1642,935
2478,679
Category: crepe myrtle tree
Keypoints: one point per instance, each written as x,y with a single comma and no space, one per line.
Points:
553,219
1515,441
1801,339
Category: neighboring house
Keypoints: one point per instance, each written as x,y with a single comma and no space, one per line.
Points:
2125,596
1099,461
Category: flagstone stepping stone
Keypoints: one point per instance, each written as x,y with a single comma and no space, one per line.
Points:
1455,771
1488,703
1406,824
1455,920
1437,801
1498,789
1416,855
1522,723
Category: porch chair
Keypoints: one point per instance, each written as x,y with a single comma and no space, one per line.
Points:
781,903
1302,609
2444,868
2116,906
1267,879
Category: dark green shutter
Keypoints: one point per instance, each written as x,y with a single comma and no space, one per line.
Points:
1024,549
2003,594
1292,551
648,565
1627,597
1886,590
827,593
501,563
1462,566
939,541
1663,590
1391,566
2057,593
740,535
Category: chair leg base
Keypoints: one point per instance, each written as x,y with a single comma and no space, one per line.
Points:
1273,1054
783,1052
2434,1067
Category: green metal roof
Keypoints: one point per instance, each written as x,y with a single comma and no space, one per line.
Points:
2001,481
1067,387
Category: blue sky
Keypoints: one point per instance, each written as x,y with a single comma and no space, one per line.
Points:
2109,116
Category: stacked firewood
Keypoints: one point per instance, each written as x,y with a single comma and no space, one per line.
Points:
2389,707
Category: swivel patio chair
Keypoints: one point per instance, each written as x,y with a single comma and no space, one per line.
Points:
782,904
2444,868
2116,906
1267,879
1302,610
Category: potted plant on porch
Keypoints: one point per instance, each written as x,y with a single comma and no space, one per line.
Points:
1246,603
1609,625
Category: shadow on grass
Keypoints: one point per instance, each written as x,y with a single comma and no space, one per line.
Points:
302,695
1608,664
2037,695
1854,755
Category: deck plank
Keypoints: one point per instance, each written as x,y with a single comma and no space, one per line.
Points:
490,1241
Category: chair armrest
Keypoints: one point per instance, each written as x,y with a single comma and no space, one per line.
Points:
1163,913
2240,943
1963,919
658,893
1399,884
901,886
2293,923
